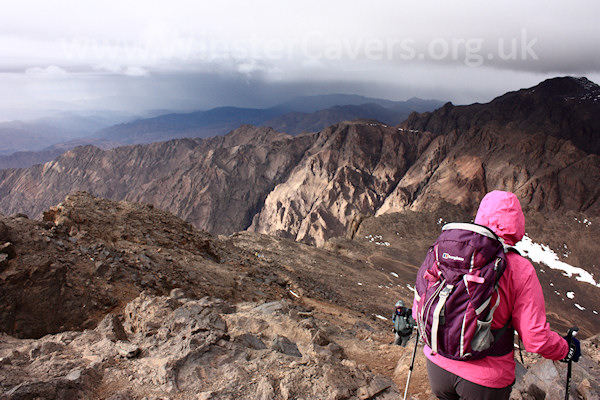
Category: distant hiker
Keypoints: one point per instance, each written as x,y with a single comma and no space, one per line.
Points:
517,304
403,324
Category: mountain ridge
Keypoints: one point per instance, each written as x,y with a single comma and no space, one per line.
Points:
454,154
303,114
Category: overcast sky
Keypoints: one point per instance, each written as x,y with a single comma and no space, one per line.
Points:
176,54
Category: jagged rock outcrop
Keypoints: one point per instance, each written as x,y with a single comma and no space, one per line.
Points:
217,184
349,170
189,349
564,107
546,173
547,379
90,256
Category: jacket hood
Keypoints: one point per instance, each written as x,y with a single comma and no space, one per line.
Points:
501,212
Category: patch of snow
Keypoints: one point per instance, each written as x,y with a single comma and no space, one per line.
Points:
359,284
585,221
595,312
395,275
541,253
571,295
381,317
294,294
377,239
412,289
580,307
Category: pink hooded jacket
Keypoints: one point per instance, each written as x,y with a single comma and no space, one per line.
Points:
520,297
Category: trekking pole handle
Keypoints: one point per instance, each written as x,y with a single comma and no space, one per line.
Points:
572,333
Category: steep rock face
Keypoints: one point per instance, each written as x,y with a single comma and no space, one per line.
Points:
216,184
541,143
546,173
562,107
349,170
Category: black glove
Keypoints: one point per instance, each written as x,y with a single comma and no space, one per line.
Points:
574,351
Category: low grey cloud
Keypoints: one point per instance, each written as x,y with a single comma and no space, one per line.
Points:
204,54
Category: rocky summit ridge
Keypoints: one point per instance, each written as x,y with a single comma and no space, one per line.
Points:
120,300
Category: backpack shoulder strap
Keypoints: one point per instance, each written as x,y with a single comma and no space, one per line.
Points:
482,230
513,249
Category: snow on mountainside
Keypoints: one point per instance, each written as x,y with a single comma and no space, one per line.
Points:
541,253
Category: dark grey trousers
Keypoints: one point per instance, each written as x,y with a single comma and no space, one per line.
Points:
401,340
447,386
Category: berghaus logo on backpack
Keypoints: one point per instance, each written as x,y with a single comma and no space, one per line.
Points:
447,256
456,293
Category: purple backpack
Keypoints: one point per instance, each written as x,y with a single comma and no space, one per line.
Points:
457,293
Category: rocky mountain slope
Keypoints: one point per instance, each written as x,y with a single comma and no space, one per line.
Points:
119,300
311,187
298,122
217,184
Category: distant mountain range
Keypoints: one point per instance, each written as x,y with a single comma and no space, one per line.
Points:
28,143
304,114
43,132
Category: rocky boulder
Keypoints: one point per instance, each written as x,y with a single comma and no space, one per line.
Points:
176,347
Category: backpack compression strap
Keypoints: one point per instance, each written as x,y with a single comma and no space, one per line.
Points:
436,315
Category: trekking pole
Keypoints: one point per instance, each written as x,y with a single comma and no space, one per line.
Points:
520,349
572,332
412,363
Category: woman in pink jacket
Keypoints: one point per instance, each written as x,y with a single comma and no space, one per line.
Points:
521,299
